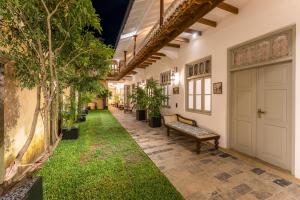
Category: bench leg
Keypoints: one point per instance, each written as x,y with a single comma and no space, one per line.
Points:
217,143
198,147
168,131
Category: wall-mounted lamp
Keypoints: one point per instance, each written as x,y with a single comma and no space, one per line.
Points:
175,76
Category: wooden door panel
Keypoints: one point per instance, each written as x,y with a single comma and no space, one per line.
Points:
243,136
274,127
273,145
275,103
243,109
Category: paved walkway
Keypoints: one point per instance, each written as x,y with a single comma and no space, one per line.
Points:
212,175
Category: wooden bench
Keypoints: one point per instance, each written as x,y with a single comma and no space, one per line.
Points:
128,108
189,128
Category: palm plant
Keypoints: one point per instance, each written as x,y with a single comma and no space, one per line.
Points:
155,99
139,98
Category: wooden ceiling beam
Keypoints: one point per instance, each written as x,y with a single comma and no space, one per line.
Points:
151,60
159,54
132,73
173,45
193,31
182,39
147,63
155,57
207,22
229,8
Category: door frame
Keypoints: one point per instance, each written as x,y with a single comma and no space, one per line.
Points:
292,59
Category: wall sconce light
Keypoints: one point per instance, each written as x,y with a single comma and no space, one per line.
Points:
175,76
143,84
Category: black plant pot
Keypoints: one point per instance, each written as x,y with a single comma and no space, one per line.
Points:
155,122
28,189
70,134
85,111
81,118
140,115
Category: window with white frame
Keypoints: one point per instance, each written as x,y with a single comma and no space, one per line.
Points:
199,86
165,81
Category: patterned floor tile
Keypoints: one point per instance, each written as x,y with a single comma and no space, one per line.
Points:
210,175
258,171
282,182
223,176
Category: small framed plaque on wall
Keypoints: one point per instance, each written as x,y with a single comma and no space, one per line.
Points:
217,88
175,90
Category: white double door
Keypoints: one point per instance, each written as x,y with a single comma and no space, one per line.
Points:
261,113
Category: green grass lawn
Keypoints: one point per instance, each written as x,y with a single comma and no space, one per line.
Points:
104,163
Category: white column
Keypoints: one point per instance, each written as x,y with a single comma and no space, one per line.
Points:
297,107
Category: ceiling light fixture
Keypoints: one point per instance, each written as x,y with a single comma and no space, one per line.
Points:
195,35
128,35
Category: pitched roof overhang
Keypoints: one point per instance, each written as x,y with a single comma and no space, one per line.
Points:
129,7
185,15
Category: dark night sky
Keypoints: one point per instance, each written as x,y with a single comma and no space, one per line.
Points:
111,14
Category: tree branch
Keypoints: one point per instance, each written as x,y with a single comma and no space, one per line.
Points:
57,50
73,59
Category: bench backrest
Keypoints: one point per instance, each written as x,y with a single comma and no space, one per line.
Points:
176,117
186,120
169,118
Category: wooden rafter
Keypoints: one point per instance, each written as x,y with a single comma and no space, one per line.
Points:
207,22
159,54
151,60
186,14
132,73
155,57
192,31
228,8
173,45
147,63
182,39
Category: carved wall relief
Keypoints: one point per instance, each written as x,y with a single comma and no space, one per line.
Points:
281,46
268,49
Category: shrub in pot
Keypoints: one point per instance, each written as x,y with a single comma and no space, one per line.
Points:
69,131
155,99
104,95
139,98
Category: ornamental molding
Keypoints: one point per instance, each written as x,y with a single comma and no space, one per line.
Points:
273,47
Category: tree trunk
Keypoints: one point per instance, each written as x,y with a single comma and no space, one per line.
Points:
13,169
53,119
46,119
60,109
73,103
79,105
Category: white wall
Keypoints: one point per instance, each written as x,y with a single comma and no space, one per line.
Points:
256,18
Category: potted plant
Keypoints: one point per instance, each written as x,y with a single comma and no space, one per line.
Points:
105,94
116,99
155,99
69,131
139,98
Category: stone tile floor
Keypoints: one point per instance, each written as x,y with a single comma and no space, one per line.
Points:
212,175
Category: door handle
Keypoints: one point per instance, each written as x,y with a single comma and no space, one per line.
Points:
260,112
